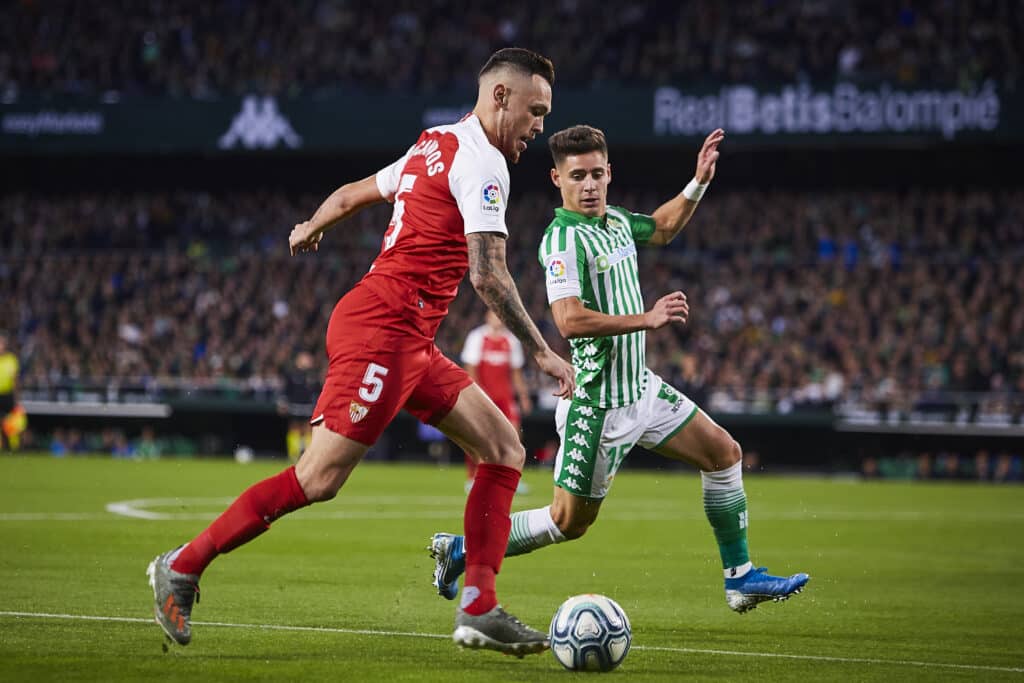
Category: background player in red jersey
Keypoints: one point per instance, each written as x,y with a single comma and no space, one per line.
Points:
450,191
493,357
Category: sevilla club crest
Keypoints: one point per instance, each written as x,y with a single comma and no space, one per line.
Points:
357,411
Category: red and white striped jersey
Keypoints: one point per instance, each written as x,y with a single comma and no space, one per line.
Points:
452,182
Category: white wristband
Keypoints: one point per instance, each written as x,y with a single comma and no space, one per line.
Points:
694,190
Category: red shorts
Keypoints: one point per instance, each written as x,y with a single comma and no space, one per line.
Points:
381,362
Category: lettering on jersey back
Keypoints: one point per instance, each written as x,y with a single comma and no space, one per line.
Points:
430,149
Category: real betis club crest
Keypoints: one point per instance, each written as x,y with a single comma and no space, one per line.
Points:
357,411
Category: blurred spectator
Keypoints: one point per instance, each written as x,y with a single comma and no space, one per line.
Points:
14,426
982,465
121,447
59,444
301,388
869,468
207,50
12,418
923,465
147,447
67,442
1008,468
168,292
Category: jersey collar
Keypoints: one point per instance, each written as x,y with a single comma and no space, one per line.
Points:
596,221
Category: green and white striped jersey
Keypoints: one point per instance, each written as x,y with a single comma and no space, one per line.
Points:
595,259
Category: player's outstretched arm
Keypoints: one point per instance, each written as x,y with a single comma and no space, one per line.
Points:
573,319
672,216
488,272
346,201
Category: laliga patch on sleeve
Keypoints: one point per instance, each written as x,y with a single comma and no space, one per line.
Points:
490,202
556,270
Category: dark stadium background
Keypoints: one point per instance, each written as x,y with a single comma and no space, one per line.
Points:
348,75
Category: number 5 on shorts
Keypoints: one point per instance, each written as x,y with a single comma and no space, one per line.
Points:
373,382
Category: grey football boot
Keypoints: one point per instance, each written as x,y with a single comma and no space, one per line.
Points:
498,630
174,593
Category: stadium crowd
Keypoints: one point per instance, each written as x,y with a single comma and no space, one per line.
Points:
288,47
875,299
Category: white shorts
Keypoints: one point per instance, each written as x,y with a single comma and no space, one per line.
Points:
595,441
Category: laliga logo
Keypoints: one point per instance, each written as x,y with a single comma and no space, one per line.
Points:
491,195
556,268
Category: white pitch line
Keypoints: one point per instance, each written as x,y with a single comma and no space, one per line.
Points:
442,636
116,513
394,507
57,517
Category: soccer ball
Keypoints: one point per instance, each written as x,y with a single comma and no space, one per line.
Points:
590,633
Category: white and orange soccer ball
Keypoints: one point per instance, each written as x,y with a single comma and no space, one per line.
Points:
590,633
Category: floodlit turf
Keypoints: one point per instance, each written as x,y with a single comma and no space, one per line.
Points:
909,581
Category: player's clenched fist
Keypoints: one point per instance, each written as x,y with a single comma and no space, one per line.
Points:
304,237
669,308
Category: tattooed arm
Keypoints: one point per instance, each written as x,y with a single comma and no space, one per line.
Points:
488,271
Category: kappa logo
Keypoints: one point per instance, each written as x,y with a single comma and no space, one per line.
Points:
585,410
572,483
579,440
357,411
259,125
576,455
582,425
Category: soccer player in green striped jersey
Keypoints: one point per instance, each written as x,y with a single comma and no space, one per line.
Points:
589,255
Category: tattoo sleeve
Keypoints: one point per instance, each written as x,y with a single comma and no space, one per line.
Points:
488,271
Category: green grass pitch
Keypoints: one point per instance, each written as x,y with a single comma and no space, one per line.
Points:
909,581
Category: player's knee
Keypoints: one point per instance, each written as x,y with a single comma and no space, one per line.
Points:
571,525
321,484
321,489
730,453
574,529
723,452
509,453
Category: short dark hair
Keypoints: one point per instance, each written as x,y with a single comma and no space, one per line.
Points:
523,60
577,140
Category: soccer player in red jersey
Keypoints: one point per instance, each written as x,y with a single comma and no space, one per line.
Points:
450,191
493,357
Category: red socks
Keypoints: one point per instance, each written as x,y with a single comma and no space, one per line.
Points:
486,521
248,517
487,524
